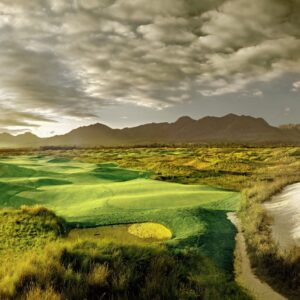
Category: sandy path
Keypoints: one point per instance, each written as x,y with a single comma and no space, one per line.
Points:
285,211
244,273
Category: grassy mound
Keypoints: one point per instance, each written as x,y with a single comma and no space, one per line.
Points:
28,228
150,231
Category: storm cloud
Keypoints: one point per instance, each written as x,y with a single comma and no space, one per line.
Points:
73,58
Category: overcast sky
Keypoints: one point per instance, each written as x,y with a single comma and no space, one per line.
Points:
67,63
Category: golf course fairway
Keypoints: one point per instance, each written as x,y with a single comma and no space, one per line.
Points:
89,195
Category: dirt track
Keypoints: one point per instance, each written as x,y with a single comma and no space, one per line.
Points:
243,271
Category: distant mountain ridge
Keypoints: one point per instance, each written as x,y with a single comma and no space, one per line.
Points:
228,129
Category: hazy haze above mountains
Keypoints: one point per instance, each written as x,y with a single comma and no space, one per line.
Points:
69,63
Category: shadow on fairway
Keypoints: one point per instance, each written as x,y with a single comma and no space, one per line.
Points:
113,173
14,171
193,229
218,239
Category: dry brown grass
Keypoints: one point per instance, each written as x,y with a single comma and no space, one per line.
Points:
98,275
36,293
36,210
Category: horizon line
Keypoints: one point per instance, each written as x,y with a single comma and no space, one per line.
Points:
129,127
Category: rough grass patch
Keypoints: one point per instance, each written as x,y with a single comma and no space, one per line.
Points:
36,293
36,210
98,275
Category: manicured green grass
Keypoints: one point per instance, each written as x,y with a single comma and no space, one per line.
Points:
89,195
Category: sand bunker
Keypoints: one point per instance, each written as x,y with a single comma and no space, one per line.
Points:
285,211
150,231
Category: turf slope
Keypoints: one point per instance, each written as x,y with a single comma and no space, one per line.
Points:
89,195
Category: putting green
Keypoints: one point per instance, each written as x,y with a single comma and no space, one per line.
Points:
90,195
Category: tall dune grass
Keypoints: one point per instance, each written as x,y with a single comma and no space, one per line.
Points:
100,270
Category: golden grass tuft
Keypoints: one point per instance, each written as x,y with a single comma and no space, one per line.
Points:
150,231
36,210
36,293
98,275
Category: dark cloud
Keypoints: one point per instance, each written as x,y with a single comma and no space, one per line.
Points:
72,58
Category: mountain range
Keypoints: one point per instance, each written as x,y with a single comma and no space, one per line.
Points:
210,130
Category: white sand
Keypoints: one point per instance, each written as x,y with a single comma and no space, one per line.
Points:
285,211
243,271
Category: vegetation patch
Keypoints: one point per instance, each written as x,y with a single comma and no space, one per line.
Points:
282,270
188,189
55,267
28,228
124,196
97,270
